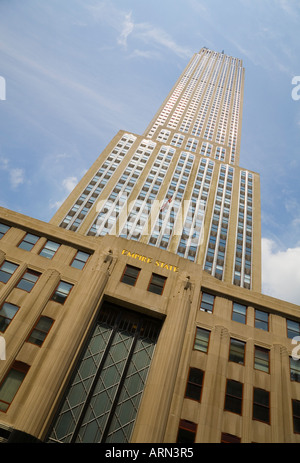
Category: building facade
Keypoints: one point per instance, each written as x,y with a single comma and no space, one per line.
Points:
136,314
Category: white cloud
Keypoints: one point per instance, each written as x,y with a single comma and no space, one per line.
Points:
3,163
281,272
69,183
16,177
55,205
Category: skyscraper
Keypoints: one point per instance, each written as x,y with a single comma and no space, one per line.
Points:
179,185
136,314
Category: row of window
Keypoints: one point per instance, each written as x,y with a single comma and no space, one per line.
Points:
26,283
200,104
260,411
137,219
233,396
191,232
156,284
49,249
243,252
95,187
106,220
163,228
15,376
239,314
237,351
216,247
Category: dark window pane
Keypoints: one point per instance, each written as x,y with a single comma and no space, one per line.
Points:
3,229
207,302
7,313
11,384
49,249
28,242
201,340
80,260
157,284
233,400
130,275
261,359
261,320
194,385
229,439
40,331
6,271
295,369
186,432
239,313
261,405
62,292
296,415
237,351
28,281
293,329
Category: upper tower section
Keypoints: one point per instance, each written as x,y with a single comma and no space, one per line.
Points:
204,108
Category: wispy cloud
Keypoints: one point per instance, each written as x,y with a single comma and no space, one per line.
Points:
290,8
16,175
150,34
141,32
69,183
127,28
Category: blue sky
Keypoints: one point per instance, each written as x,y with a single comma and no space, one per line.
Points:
77,71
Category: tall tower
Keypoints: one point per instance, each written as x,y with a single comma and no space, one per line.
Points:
136,314
179,185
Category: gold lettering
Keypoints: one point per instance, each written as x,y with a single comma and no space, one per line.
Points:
149,260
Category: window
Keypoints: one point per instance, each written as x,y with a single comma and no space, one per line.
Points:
28,242
119,337
61,293
229,439
3,229
40,331
11,384
296,415
207,302
194,384
28,280
201,339
49,249
295,370
261,359
80,260
234,396
7,313
130,275
261,320
293,329
261,405
7,269
157,284
187,432
237,351
239,313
